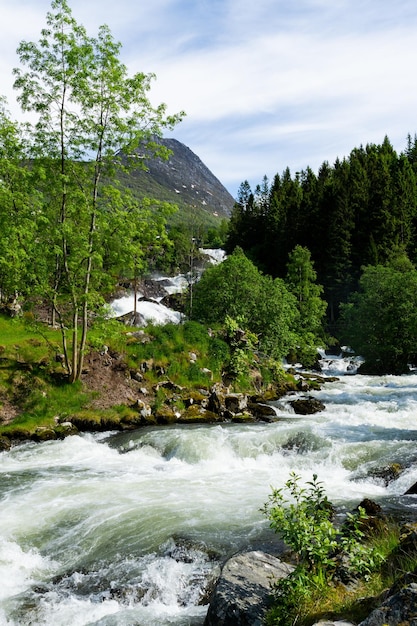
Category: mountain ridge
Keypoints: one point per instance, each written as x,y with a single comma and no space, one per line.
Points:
183,179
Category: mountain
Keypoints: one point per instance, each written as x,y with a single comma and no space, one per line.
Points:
184,180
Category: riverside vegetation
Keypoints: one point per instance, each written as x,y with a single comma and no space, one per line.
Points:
167,367
70,230
341,570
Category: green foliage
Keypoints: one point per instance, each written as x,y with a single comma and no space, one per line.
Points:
218,352
19,202
301,282
89,228
303,519
380,321
242,345
347,215
236,289
195,333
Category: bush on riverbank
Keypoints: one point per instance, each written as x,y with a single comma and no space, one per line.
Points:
340,571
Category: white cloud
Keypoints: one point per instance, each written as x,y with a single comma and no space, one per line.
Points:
264,84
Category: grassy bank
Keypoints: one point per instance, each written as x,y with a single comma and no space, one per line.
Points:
122,365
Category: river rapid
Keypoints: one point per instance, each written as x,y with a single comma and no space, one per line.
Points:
129,529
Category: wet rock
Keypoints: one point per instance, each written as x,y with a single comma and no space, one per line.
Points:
388,473
5,443
262,412
132,319
412,490
331,623
174,301
241,595
43,434
370,507
243,418
307,406
65,429
236,402
303,442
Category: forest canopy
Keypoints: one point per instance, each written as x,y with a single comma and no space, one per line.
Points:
348,215
357,220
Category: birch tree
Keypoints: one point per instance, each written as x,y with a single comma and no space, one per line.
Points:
91,119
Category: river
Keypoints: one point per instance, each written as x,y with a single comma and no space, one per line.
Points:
127,529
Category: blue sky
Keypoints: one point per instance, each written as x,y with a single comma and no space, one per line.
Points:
265,84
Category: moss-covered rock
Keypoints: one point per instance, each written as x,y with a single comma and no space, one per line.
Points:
43,434
5,443
387,473
195,397
243,418
165,415
65,429
195,414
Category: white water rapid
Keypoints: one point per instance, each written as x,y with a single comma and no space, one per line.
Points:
153,310
127,529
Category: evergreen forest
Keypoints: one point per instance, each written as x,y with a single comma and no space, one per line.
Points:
361,211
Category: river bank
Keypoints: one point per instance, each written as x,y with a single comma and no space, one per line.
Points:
122,400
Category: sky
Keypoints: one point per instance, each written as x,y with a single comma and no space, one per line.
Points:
265,84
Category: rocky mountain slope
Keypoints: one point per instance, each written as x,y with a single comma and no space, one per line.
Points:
184,180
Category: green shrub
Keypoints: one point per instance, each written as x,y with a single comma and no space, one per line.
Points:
303,519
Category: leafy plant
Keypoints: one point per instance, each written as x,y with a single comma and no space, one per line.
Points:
303,517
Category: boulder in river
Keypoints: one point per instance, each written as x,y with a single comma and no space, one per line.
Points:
307,406
242,594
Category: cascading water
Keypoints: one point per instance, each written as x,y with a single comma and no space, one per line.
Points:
130,529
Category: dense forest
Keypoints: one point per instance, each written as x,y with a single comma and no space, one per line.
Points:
355,213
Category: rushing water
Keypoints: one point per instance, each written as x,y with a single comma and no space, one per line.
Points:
128,529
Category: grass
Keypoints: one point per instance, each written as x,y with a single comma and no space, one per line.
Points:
353,602
34,381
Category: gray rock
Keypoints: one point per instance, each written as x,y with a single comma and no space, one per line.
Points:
236,402
400,608
241,596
